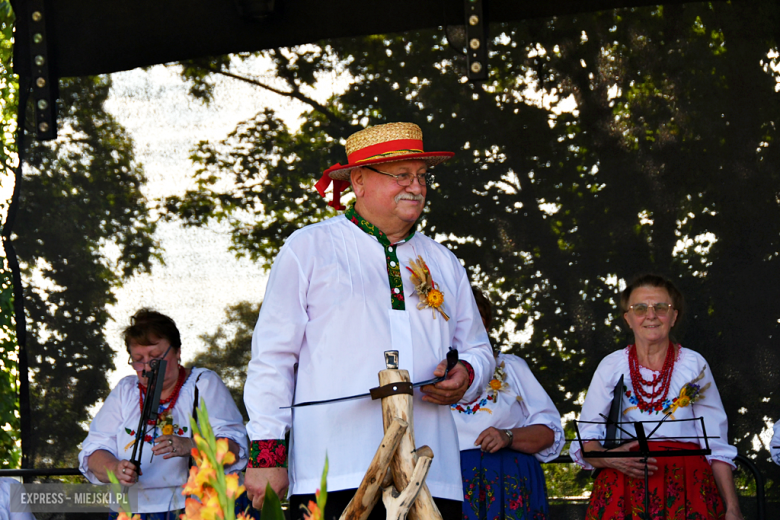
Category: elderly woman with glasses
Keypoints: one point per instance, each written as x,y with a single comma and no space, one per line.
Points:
662,381
152,337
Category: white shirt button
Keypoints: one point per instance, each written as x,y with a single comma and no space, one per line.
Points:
392,264
396,290
390,249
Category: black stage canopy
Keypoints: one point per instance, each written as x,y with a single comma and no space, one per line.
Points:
88,37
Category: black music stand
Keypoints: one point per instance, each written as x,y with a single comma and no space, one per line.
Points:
644,451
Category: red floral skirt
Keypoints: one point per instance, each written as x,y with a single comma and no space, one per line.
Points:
683,488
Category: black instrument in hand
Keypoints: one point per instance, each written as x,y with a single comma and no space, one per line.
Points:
154,385
391,389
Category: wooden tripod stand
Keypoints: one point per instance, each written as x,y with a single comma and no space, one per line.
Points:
397,465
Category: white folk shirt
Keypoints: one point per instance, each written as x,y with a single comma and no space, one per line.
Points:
114,427
5,501
513,398
688,366
327,307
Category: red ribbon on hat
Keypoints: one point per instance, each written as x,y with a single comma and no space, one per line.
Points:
383,149
338,187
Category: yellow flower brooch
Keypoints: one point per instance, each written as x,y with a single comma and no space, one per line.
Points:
427,290
498,383
689,394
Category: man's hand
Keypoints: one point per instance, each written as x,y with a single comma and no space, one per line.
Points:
449,391
256,480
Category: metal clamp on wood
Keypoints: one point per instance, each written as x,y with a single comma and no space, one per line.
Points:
391,389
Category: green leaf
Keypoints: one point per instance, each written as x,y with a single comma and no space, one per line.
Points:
323,497
272,507
116,488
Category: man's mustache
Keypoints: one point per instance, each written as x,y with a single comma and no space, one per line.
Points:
409,196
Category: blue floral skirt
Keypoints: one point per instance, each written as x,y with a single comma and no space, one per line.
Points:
505,484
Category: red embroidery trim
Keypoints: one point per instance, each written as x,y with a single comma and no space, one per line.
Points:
470,370
270,453
650,400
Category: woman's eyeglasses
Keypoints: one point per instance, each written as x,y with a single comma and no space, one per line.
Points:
640,309
140,365
405,179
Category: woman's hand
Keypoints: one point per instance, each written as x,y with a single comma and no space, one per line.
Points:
101,462
724,479
631,467
492,440
172,446
125,472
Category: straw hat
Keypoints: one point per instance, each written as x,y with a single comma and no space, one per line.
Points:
392,142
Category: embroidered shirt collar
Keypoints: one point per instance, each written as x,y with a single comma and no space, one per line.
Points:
396,284
369,228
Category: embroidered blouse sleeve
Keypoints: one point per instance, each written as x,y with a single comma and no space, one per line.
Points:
224,417
276,344
597,402
710,407
536,404
103,430
774,446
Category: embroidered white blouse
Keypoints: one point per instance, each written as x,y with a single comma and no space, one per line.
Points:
113,430
688,366
327,307
774,446
513,398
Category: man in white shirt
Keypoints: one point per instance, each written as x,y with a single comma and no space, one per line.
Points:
338,296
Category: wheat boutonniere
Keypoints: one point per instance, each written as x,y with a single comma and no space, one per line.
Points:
427,290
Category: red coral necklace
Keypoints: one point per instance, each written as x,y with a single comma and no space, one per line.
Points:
651,400
170,399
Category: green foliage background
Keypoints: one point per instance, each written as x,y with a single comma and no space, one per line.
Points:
228,350
10,448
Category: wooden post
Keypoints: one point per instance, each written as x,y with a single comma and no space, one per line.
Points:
398,504
404,460
367,495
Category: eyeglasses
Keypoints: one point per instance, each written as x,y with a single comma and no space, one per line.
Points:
405,179
640,309
140,365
